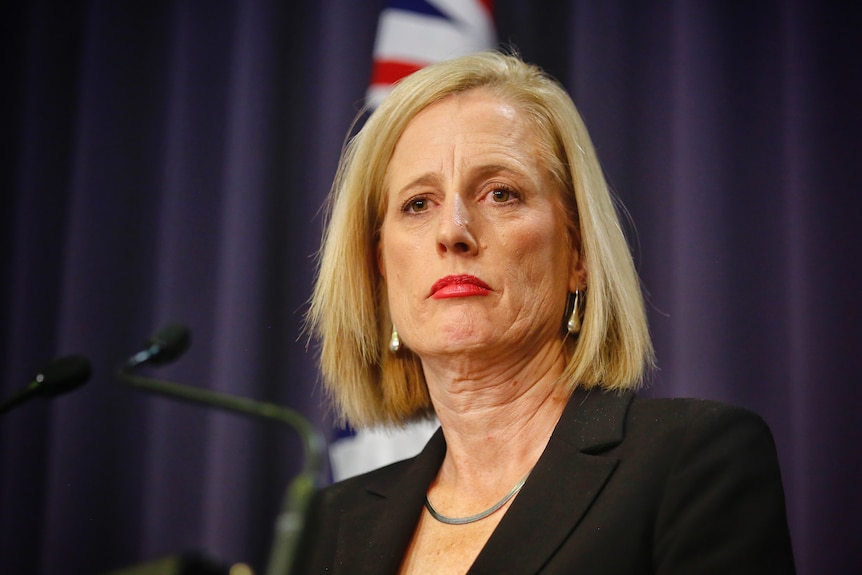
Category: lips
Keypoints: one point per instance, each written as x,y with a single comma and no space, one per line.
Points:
459,286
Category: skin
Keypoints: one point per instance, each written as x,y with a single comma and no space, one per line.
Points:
468,195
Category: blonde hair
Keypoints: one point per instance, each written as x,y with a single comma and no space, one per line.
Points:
349,315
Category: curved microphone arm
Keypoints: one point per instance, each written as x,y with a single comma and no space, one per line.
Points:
301,488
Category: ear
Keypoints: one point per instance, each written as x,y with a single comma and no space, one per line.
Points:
578,275
577,270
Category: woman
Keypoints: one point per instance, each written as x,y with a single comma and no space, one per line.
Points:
474,268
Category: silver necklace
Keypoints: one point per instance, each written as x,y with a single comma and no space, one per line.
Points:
479,516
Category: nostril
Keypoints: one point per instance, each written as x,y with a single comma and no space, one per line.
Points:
461,247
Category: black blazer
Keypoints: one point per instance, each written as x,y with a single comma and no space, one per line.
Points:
625,486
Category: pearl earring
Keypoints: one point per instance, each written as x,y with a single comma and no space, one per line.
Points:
573,325
394,340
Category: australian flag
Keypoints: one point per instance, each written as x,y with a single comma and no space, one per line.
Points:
414,33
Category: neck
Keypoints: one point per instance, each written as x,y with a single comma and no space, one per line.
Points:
496,420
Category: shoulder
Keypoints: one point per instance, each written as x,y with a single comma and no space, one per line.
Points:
710,469
677,432
689,412
602,422
684,407
689,419
672,439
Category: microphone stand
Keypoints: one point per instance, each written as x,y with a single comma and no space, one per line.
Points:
291,518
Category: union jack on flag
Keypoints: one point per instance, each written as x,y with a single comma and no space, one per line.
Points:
414,33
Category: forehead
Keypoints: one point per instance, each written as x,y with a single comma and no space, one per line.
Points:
469,126
479,107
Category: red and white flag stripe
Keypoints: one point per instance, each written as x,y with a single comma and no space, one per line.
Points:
414,33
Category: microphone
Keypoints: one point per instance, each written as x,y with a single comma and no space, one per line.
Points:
168,345
60,376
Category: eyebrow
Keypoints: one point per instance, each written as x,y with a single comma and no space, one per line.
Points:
491,169
480,172
428,179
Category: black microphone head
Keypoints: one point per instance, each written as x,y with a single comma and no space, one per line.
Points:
63,374
169,343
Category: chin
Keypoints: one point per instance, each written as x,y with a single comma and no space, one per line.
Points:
461,343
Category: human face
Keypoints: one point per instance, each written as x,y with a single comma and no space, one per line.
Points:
474,246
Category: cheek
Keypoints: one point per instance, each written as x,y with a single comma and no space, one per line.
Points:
401,264
392,257
541,261
534,247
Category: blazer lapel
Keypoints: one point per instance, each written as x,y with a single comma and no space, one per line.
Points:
560,489
374,535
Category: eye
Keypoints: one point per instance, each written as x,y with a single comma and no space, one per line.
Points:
415,205
501,195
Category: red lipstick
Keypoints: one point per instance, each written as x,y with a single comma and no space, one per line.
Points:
459,286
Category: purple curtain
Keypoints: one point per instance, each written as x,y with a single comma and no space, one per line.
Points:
167,161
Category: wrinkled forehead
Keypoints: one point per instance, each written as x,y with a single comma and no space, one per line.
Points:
539,133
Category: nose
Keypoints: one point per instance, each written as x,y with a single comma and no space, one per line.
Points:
454,228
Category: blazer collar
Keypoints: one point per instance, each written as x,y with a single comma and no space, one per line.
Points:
377,533
566,480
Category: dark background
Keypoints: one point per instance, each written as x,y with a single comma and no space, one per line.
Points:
167,161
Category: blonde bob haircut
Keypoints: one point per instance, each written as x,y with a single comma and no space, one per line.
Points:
369,385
